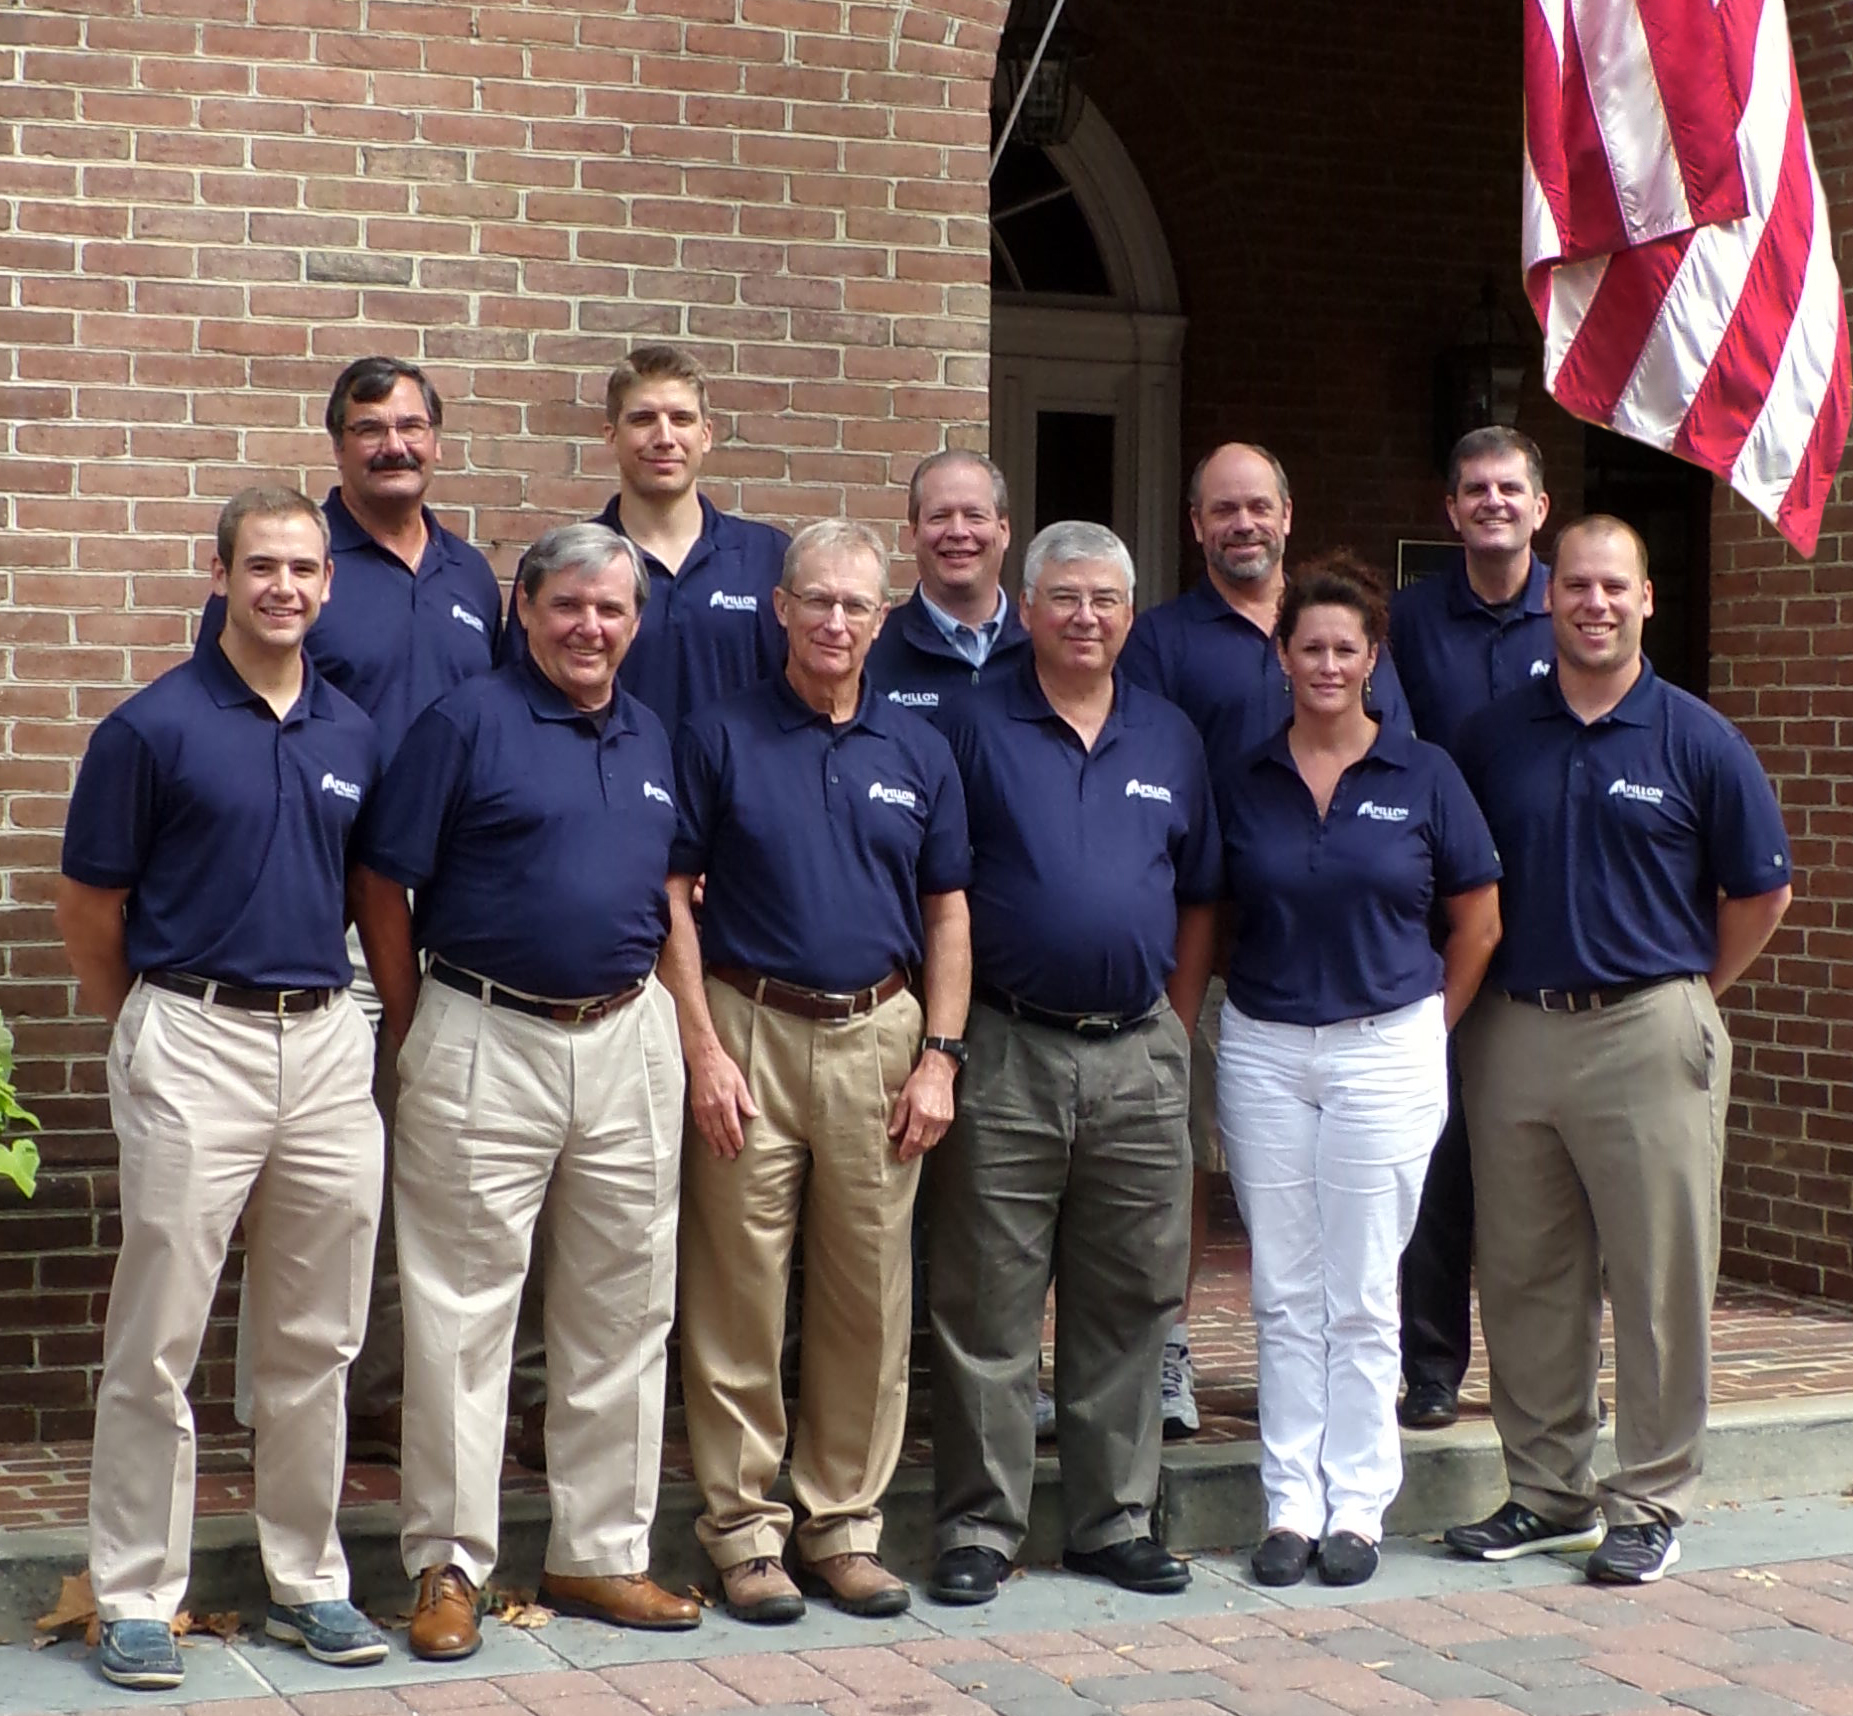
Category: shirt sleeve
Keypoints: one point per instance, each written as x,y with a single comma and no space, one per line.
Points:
946,854
110,826
1140,660
1388,701
405,824
1746,842
771,633
1465,856
699,775
1198,859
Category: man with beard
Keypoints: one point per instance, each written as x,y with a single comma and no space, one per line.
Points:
1211,652
419,612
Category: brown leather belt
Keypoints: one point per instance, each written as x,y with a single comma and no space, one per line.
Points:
1584,1000
822,1004
275,1002
535,1006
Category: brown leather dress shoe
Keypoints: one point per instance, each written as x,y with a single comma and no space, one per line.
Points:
859,1585
620,1599
444,1625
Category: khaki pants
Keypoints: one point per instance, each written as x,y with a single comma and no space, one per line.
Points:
1206,1153
1074,1152
505,1122
820,1148
221,1112
1598,1145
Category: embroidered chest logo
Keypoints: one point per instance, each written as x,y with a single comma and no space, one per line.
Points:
915,699
893,795
1624,788
1145,789
474,621
1539,669
333,783
652,790
1384,812
734,604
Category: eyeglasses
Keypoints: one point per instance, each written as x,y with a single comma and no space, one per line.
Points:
1069,602
372,431
817,605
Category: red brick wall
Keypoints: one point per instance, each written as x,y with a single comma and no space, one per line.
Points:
1782,633
208,206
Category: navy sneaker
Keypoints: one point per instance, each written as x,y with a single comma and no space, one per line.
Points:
1634,1555
1514,1531
330,1632
140,1654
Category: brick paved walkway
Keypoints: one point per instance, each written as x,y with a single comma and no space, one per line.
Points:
1768,1346
1757,1622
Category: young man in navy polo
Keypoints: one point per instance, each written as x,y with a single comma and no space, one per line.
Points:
1645,868
830,827
201,905
531,812
957,631
708,629
1462,639
419,611
1211,652
1095,876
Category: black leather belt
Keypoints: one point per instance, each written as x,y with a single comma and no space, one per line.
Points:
1584,1000
826,1005
1081,1024
276,1002
536,1007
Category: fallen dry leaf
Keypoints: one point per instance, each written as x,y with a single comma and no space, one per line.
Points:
1758,1576
76,1603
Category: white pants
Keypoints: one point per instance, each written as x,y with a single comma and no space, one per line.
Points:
1328,1131
221,1112
504,1122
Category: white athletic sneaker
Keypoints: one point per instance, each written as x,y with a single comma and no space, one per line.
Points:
1177,1393
1045,1416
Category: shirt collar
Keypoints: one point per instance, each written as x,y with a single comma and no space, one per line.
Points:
346,533
550,703
711,517
1025,700
793,712
949,628
228,689
1636,709
1391,748
1204,601
1462,598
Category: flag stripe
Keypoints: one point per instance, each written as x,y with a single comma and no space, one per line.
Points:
1677,250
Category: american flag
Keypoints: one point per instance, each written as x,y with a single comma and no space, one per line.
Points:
1677,249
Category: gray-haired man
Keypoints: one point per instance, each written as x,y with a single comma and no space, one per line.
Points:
1095,872
540,1075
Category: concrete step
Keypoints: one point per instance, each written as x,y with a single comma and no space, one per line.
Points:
1210,1499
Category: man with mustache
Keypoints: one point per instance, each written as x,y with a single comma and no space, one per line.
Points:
1211,652
419,612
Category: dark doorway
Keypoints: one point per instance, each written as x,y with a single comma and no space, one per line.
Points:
1669,503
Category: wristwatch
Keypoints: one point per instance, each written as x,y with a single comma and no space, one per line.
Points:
953,1046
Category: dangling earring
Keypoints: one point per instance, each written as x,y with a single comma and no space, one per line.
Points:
1368,692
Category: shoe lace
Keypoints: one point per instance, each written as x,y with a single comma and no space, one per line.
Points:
1175,1374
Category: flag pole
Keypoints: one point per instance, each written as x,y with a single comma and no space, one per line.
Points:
1029,77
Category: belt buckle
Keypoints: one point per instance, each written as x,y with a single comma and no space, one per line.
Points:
281,1004
586,1010
1095,1025
1548,1000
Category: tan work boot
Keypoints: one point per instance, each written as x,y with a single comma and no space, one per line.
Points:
761,1591
859,1585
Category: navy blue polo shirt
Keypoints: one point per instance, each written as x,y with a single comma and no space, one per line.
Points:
912,662
1455,654
395,639
1081,858
707,630
536,839
1619,835
228,827
817,840
1332,914
1223,671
